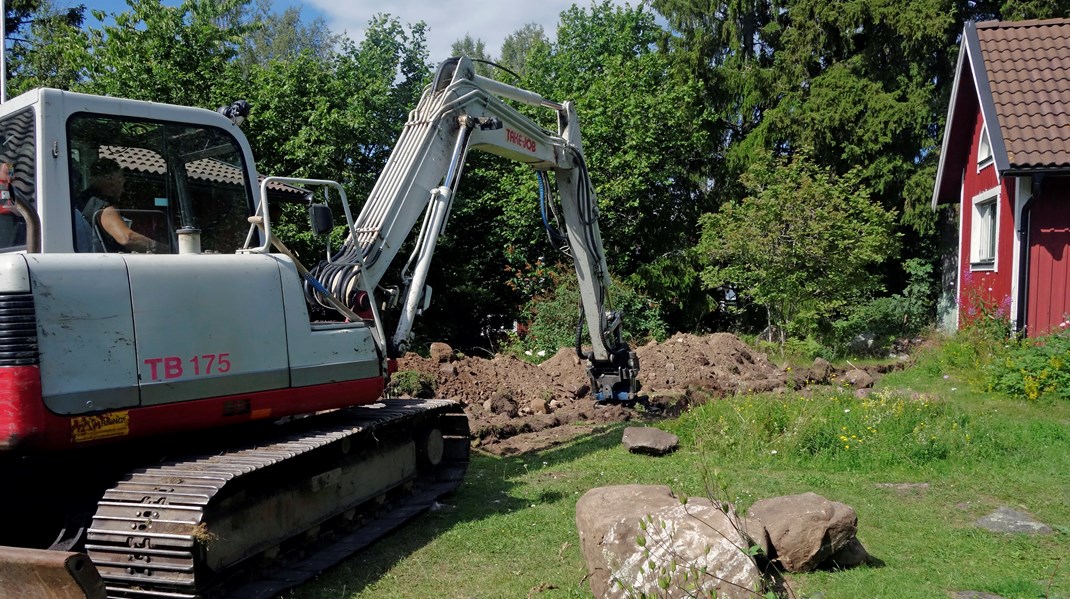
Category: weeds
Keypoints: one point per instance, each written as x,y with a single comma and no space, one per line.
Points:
412,383
1034,368
838,429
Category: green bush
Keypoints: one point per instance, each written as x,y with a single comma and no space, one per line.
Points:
894,317
412,383
1034,368
553,316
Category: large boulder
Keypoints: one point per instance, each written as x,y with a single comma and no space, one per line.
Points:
633,534
806,530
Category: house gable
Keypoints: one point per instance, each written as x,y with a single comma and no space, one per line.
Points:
1006,136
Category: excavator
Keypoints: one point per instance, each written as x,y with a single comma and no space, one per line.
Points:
201,414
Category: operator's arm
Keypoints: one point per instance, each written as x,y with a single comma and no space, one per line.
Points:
113,223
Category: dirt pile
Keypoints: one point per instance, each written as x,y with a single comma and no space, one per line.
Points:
516,406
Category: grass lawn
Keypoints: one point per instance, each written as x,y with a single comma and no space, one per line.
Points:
510,532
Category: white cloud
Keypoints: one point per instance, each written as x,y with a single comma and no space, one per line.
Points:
449,20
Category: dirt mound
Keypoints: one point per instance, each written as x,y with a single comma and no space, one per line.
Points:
515,406
718,363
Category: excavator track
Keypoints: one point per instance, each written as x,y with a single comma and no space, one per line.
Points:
252,521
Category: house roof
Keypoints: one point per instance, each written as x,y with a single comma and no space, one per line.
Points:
1019,74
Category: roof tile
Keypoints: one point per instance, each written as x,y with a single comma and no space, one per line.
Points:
1028,68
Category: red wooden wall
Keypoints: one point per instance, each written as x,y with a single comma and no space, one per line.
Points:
1049,266
985,290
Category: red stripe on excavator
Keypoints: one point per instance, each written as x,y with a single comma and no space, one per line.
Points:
22,412
24,422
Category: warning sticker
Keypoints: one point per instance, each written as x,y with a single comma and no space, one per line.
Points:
100,426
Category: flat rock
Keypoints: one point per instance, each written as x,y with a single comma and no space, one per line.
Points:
1009,520
905,489
649,440
974,595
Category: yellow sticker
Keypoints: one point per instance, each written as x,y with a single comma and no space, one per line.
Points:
100,426
260,413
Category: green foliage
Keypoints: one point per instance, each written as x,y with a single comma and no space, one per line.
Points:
284,36
412,383
518,45
604,62
1034,368
553,315
174,54
893,317
334,117
641,125
675,279
802,243
476,49
40,51
986,320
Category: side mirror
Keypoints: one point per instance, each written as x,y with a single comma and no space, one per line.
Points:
321,218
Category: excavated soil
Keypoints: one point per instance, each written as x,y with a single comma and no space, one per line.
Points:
515,406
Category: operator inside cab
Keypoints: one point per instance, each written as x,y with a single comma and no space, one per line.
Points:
102,225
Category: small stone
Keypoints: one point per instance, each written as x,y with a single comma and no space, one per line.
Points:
539,406
500,404
649,440
974,595
449,370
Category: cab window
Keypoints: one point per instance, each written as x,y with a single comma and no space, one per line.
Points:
137,185
18,156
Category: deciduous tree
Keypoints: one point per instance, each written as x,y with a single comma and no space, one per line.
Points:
802,243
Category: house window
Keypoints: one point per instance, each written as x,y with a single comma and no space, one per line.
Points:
984,150
985,222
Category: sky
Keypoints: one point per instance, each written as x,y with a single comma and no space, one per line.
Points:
447,20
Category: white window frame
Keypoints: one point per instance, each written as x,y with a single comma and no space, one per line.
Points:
984,150
984,233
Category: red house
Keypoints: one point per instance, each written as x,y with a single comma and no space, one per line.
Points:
1005,163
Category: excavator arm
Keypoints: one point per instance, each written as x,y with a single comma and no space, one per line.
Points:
459,111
